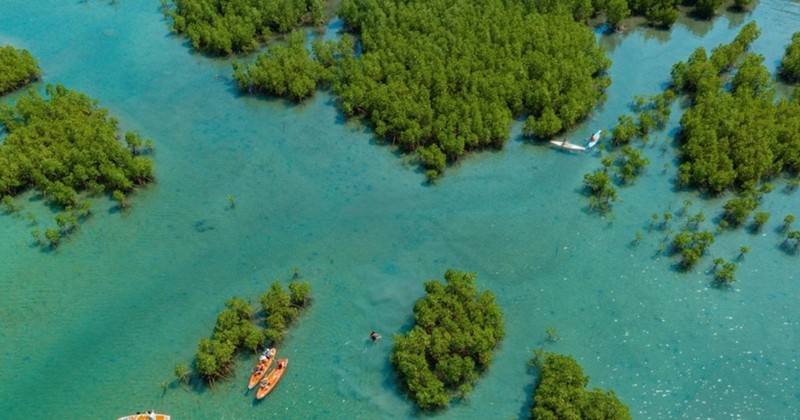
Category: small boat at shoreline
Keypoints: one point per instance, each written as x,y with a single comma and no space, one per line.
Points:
150,415
594,139
268,384
566,145
260,369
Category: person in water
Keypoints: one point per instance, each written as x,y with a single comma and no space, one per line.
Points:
374,336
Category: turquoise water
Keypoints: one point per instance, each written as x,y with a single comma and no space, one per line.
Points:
98,326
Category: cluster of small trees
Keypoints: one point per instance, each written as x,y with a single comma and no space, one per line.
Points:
290,70
650,113
790,64
665,12
626,160
236,329
66,144
281,309
661,13
63,146
17,68
456,330
447,77
600,190
630,164
692,246
561,392
233,26
724,272
740,137
791,242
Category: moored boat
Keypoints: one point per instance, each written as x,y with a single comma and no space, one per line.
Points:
268,384
260,369
150,415
566,145
593,139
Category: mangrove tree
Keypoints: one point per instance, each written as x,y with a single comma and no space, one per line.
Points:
456,329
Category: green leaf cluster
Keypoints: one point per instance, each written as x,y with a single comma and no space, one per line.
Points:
737,209
701,71
692,246
792,240
446,77
456,330
17,68
600,190
651,114
65,145
660,13
234,329
290,70
281,308
790,64
759,220
561,393
227,26
738,137
725,275
630,164
664,13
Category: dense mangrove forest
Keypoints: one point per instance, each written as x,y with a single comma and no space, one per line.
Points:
17,68
239,26
456,329
65,146
441,79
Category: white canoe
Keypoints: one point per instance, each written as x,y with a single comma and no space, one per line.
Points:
594,139
567,145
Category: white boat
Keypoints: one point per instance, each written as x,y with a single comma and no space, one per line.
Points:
594,139
566,145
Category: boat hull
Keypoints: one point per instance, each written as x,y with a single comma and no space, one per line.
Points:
272,379
146,417
594,139
254,378
567,145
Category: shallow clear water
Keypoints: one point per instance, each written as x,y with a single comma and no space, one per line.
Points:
99,326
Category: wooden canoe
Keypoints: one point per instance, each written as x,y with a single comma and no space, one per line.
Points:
258,374
146,416
268,384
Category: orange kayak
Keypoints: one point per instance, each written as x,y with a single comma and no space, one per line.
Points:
260,369
146,416
268,384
